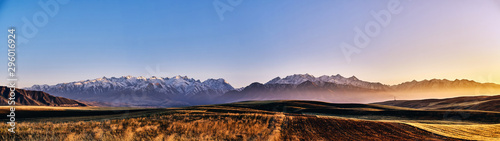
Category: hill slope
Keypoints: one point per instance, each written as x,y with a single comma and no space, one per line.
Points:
36,98
183,91
485,103
307,90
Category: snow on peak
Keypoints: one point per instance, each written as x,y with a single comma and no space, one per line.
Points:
337,79
292,79
353,78
178,77
177,85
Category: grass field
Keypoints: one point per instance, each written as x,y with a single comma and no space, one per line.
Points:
263,120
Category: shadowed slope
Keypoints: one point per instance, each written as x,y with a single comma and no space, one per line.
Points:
317,128
36,98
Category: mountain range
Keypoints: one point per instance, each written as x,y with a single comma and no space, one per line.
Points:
185,91
139,91
336,79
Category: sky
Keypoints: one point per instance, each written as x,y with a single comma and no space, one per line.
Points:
253,41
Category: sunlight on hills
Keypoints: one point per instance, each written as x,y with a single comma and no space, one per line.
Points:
488,132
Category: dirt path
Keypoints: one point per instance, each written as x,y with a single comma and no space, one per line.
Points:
276,124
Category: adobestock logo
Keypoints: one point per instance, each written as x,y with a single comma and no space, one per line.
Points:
155,72
459,111
372,28
221,7
40,19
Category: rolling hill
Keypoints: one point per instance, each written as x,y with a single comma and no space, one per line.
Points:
184,91
36,98
140,91
485,103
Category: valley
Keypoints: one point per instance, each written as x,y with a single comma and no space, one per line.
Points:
253,120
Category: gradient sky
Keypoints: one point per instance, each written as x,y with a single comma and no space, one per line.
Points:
257,41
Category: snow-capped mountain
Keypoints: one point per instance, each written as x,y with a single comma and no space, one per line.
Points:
178,85
336,79
138,89
35,98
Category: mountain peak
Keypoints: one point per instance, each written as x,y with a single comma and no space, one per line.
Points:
127,77
304,75
37,98
219,80
353,78
272,81
102,79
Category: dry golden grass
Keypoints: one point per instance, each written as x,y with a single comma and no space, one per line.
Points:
236,122
487,132
184,126
454,129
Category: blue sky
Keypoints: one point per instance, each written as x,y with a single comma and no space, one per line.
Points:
257,41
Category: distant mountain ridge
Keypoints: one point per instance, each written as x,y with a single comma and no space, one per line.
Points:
153,91
184,91
175,85
307,90
36,98
485,103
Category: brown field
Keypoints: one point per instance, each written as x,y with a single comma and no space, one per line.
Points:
267,120
488,132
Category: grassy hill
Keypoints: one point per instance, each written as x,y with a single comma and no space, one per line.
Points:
484,103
